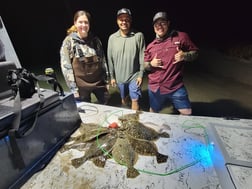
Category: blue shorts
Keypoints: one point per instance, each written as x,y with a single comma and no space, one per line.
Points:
178,98
130,89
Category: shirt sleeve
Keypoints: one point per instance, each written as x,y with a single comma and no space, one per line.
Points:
141,55
66,56
190,49
110,59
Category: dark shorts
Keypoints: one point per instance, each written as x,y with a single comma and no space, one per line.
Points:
130,89
178,98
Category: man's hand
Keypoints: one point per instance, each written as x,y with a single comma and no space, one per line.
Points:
156,62
179,56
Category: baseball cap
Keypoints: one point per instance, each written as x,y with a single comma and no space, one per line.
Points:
162,15
124,11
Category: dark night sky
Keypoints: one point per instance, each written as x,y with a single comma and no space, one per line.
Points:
38,28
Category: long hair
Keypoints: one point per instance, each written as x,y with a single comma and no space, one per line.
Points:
76,16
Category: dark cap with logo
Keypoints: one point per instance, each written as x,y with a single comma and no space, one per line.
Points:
124,11
160,15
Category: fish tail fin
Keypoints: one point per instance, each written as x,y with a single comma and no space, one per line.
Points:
132,172
161,158
77,162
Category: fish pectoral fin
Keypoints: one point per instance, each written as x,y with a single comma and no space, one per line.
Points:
132,172
161,158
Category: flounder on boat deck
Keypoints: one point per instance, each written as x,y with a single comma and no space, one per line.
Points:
124,154
88,132
138,130
123,143
100,147
146,148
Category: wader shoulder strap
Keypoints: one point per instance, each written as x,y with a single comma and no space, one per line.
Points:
15,151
